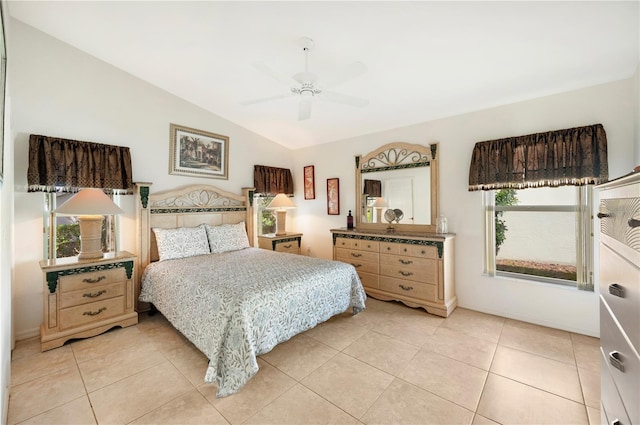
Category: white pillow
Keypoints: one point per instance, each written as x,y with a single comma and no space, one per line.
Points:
227,237
181,242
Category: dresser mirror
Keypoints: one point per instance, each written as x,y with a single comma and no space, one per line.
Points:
397,188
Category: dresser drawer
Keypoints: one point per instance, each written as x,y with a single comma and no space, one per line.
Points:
96,293
626,381
291,247
362,266
365,245
87,281
369,280
415,269
408,288
422,251
611,401
88,313
343,243
356,255
620,287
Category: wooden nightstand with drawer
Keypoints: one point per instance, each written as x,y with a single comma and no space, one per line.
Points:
289,242
83,298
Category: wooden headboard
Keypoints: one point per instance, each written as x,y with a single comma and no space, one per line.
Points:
187,206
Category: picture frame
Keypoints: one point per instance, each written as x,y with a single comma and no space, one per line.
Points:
198,153
309,182
333,196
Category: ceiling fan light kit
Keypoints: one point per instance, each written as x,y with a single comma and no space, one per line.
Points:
306,87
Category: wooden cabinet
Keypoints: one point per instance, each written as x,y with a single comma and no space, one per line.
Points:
619,214
289,242
416,269
84,298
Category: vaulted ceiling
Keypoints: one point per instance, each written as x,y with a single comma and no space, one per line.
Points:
424,60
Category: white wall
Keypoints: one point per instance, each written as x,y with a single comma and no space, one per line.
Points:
63,92
565,308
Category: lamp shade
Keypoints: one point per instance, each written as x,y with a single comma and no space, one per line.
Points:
281,201
89,202
379,203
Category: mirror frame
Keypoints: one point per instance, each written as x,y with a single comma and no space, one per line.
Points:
394,156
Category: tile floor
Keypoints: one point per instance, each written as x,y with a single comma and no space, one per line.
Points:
388,365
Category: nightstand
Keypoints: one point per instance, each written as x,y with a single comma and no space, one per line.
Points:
289,242
83,298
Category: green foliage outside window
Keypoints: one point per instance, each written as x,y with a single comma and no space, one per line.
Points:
504,197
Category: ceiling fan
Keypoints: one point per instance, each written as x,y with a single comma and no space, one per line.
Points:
306,87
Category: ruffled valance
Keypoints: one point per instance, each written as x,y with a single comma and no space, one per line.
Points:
272,180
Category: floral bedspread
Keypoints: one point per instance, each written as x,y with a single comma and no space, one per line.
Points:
237,305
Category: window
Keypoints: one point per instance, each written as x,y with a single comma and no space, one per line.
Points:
541,234
266,218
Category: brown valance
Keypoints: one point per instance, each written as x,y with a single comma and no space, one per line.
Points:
372,188
573,156
272,180
63,165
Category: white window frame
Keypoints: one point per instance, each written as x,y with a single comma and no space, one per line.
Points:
584,237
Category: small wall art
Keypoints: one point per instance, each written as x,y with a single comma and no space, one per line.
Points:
198,153
333,196
309,182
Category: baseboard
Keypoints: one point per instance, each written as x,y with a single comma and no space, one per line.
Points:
26,334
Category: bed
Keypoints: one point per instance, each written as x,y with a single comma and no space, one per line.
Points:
239,301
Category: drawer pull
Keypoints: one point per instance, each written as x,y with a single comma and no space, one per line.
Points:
405,261
287,246
423,252
616,290
603,215
633,223
94,294
94,313
87,280
388,248
356,255
616,361
405,288
357,265
405,273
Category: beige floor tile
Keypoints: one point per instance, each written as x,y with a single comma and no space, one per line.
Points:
382,352
371,318
26,348
348,383
338,332
191,363
509,402
414,331
386,306
139,394
459,346
537,371
190,408
474,323
404,311
299,356
147,322
594,416
106,343
77,412
403,403
169,341
267,385
587,352
481,420
106,369
43,394
590,387
299,405
534,341
540,330
450,379
35,366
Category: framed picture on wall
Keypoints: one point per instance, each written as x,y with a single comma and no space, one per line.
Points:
333,196
198,153
309,182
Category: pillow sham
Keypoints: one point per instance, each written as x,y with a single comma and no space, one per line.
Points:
227,237
181,242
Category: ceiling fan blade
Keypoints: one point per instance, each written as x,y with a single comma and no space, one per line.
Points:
343,98
304,109
265,99
350,72
262,67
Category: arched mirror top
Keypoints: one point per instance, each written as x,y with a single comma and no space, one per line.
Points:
397,188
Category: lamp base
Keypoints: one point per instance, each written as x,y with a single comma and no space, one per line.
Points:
90,236
281,218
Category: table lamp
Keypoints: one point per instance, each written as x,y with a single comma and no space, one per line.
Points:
281,203
90,205
378,204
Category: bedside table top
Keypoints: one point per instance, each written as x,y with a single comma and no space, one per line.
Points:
274,236
107,258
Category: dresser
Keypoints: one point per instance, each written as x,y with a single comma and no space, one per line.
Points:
416,269
619,215
84,298
289,242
